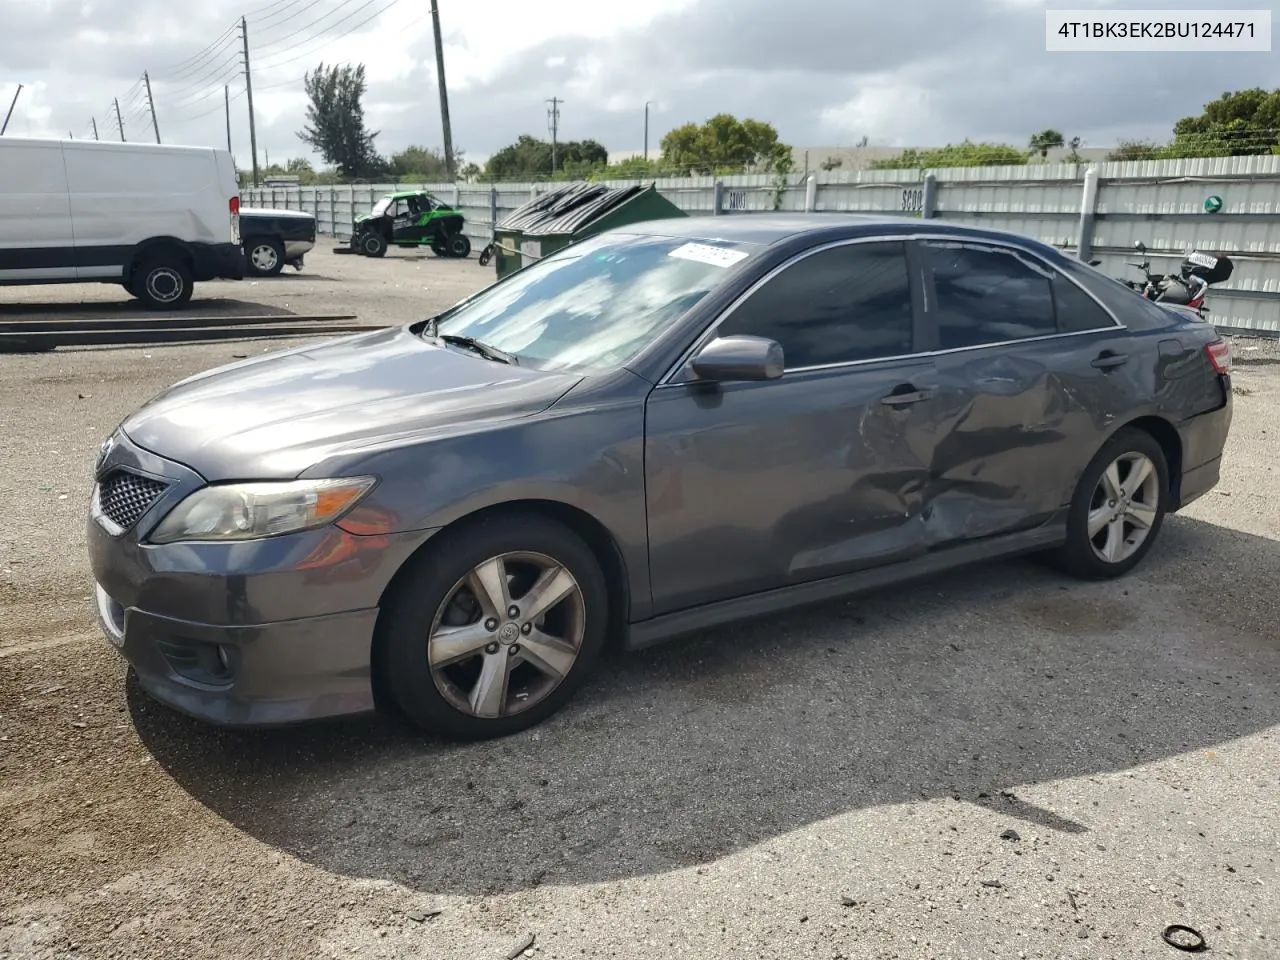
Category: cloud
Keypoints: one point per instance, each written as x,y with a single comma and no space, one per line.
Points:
825,72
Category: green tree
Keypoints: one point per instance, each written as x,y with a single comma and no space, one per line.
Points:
335,121
964,154
1136,150
426,163
725,144
1046,140
531,157
1236,124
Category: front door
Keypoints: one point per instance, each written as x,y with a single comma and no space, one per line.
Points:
1021,406
756,485
404,223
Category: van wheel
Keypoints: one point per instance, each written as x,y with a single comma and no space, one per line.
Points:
162,283
491,630
266,257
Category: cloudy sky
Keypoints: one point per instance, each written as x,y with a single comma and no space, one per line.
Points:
824,72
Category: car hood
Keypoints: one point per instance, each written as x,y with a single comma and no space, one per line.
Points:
274,416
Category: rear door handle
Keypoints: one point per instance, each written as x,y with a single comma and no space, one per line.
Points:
1106,361
910,396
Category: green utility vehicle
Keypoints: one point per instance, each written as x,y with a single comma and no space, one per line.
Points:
411,218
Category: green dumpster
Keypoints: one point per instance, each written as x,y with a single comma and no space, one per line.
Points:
556,219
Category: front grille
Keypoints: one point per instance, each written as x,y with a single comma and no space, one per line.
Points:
123,497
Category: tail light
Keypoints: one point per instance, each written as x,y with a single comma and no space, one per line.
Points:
1219,354
235,206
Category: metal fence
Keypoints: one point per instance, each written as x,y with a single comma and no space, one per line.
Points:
1227,205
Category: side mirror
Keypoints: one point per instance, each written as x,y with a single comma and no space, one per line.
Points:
739,358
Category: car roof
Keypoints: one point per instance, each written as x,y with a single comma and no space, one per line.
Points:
401,194
770,228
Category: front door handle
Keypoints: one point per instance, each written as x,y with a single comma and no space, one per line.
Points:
1107,360
907,395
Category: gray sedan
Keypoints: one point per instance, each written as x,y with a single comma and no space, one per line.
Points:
648,433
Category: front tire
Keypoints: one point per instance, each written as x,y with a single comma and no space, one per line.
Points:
459,245
1118,508
493,628
162,283
373,245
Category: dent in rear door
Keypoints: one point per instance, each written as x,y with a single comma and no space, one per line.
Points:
1021,407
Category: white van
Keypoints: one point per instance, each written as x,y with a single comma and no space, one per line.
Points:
152,218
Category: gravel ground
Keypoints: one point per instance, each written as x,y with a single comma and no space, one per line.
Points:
996,763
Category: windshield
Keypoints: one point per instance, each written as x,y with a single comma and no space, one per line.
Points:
594,305
380,207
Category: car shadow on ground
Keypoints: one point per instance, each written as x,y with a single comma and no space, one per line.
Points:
965,686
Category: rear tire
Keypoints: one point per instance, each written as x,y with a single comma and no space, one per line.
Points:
442,644
1118,508
265,257
162,282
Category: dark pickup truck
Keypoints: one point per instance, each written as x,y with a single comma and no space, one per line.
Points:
273,238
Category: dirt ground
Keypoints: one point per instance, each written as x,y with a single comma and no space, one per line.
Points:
997,763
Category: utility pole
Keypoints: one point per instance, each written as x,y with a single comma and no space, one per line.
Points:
646,130
226,98
248,89
12,104
444,93
94,121
119,119
553,120
152,104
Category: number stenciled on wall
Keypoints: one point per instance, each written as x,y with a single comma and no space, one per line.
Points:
913,200
736,200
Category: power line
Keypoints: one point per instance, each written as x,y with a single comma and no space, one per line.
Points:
181,65
210,77
200,116
332,26
260,21
263,9
315,50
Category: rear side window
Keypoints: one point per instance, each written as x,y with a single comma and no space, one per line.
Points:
988,295
847,303
1077,311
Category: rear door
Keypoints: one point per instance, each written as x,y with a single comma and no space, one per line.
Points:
1031,374
756,485
36,238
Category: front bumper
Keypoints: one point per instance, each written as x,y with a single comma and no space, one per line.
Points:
259,675
258,632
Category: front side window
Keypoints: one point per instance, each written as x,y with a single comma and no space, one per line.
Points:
844,304
596,304
988,295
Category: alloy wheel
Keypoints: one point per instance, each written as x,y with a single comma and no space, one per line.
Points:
264,257
507,634
1124,507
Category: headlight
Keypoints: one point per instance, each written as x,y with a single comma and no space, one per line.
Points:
249,511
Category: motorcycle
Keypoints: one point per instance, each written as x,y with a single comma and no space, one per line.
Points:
1186,288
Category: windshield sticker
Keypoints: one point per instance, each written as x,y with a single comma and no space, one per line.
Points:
705,253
